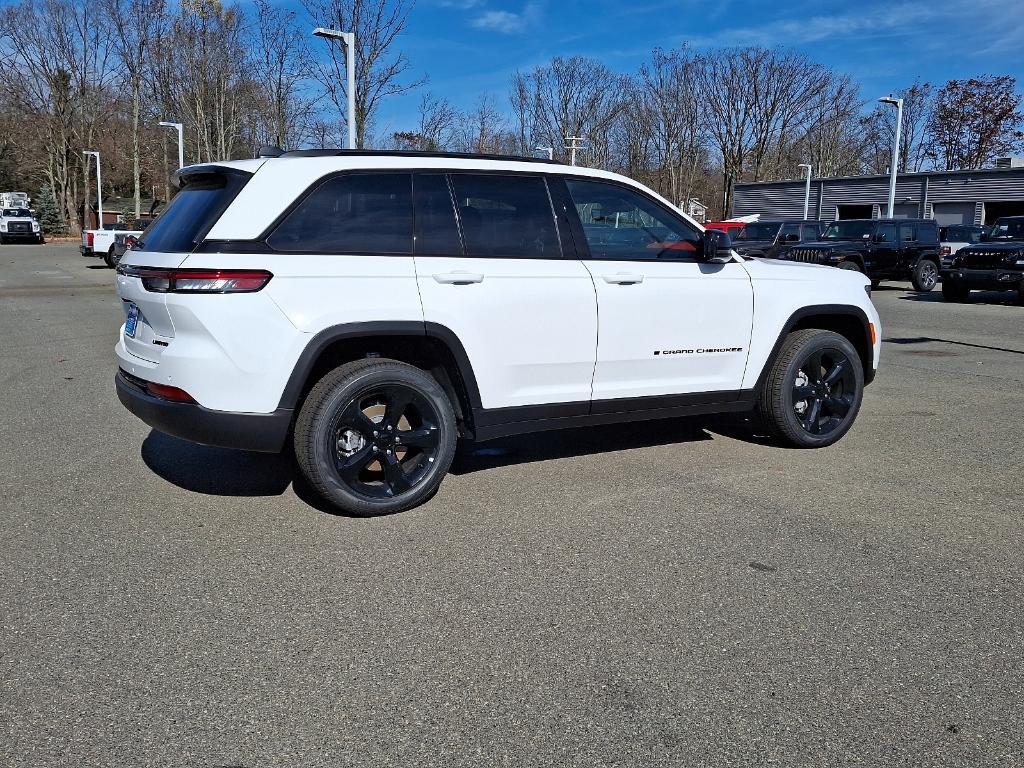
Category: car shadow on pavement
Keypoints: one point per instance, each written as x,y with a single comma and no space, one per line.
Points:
1004,298
928,339
216,471
581,441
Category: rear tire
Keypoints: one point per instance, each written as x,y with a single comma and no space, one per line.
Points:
375,436
110,259
955,291
813,390
875,283
925,275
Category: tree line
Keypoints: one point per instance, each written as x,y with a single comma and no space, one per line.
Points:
101,75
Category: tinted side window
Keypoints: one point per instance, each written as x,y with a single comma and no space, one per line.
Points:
906,233
888,231
811,232
437,231
193,211
790,229
927,232
354,213
506,216
622,224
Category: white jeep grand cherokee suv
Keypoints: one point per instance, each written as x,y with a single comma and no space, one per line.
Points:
371,308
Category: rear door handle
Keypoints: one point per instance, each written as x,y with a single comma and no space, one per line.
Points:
459,278
623,278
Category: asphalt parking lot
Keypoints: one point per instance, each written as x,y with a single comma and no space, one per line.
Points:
673,593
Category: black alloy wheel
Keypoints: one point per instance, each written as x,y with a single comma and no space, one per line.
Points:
813,390
375,436
824,391
385,441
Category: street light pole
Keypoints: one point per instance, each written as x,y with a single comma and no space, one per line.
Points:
181,141
807,189
574,144
895,151
99,186
349,41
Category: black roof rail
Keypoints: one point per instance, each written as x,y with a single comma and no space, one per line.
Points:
412,153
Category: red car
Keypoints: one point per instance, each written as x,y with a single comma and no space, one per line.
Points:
731,228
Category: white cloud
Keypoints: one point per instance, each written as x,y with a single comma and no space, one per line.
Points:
508,22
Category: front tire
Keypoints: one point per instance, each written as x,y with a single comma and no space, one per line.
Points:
814,389
375,436
925,275
850,265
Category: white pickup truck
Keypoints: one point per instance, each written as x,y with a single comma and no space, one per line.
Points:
100,242
18,225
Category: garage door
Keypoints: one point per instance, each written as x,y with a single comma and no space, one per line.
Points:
903,211
948,214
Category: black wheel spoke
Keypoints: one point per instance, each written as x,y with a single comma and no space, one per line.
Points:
811,419
354,417
837,370
802,392
350,467
395,479
838,406
813,368
397,400
423,437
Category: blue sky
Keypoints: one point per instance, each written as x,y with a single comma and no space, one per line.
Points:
469,47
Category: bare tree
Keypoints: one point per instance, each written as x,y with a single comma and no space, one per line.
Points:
380,70
438,121
569,97
975,121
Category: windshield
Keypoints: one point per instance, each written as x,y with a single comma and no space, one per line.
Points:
16,212
1007,229
848,230
759,231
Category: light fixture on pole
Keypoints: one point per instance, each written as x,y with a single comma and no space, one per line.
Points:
572,146
99,186
181,141
349,41
895,150
549,150
807,189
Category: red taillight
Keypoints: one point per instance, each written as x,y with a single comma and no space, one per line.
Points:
944,250
169,393
89,238
199,280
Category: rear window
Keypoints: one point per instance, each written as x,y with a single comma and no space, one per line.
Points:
183,224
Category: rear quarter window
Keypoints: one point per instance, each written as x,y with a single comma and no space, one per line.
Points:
183,224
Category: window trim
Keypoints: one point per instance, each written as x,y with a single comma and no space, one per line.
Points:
583,246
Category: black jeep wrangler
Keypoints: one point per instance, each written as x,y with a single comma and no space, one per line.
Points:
883,249
771,238
994,264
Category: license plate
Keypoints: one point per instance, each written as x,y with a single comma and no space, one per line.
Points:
132,322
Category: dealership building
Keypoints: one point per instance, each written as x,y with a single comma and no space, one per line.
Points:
950,197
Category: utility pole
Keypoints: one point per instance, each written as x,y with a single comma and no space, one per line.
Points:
349,41
549,150
181,141
99,186
575,143
807,189
898,103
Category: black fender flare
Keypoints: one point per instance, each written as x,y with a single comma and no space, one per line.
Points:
838,310
323,339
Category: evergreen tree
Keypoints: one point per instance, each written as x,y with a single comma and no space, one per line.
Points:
50,220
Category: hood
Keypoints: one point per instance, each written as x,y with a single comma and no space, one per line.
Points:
746,245
993,245
829,244
800,271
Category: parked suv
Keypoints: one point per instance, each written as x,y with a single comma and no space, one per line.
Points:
369,309
883,249
994,264
770,239
953,238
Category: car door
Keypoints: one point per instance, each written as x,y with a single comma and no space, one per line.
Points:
668,324
788,236
908,247
490,268
883,250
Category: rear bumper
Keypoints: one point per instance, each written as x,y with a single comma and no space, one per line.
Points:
262,432
86,250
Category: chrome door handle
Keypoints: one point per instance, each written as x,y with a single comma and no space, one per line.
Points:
623,278
459,278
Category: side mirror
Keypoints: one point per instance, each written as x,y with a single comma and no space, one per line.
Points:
717,247
879,237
